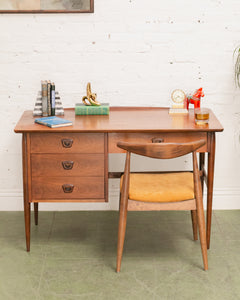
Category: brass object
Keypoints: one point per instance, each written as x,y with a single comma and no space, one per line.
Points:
67,143
68,188
91,97
157,140
67,164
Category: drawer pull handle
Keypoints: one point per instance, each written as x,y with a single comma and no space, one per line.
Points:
67,143
68,188
157,140
67,165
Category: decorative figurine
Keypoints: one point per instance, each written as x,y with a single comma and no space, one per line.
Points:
195,99
91,97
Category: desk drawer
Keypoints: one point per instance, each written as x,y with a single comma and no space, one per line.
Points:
67,143
67,165
67,188
114,138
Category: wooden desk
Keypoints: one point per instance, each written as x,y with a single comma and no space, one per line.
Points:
70,164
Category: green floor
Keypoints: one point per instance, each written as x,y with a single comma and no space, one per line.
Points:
73,256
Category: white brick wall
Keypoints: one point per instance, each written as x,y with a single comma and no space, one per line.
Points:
135,52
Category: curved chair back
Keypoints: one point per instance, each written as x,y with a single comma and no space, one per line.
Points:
162,150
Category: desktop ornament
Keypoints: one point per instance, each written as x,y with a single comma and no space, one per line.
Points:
178,102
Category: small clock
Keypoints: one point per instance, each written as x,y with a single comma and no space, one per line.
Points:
178,96
178,103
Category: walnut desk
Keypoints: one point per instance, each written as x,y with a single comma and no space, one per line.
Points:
70,164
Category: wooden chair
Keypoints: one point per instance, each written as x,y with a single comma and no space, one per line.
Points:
162,191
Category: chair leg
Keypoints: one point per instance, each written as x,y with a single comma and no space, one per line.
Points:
194,224
201,166
202,232
121,229
200,212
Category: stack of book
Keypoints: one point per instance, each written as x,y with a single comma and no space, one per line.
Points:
48,98
37,111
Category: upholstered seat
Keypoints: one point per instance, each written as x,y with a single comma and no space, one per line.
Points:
165,187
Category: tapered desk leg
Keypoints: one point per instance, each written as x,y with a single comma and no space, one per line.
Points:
210,178
27,217
26,202
36,213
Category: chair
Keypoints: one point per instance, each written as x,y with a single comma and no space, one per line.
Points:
162,191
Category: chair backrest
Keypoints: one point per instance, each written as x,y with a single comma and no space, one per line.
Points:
162,150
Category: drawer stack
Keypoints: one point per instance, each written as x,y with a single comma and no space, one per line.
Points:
67,167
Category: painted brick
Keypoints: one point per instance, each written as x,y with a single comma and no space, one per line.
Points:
129,47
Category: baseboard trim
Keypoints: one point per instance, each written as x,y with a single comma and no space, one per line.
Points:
12,200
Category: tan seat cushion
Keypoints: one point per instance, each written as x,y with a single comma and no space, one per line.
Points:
166,187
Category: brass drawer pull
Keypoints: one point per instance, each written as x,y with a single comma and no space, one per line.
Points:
68,188
157,140
67,143
67,165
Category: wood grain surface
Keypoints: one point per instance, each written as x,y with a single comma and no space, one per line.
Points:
161,150
81,143
82,165
114,138
150,206
45,188
124,119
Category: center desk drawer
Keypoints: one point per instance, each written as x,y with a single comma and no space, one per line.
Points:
67,142
67,164
170,137
67,188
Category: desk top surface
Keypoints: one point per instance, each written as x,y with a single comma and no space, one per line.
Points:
124,119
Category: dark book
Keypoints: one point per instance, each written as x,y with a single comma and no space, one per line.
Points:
49,98
53,99
53,122
82,109
44,98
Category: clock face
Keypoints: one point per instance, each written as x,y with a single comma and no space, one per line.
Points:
178,96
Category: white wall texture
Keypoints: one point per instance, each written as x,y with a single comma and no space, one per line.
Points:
134,52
